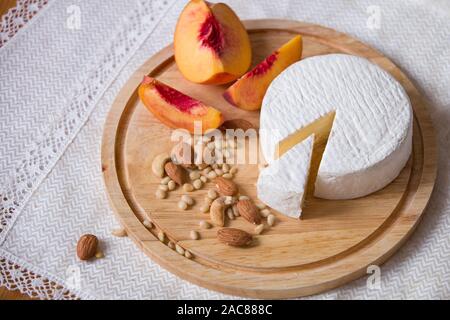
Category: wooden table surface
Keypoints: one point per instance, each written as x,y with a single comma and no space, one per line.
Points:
5,5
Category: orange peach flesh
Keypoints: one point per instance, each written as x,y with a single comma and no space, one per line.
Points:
211,44
248,92
175,109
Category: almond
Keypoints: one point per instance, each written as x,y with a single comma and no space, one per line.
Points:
87,247
225,187
217,212
175,172
234,237
249,211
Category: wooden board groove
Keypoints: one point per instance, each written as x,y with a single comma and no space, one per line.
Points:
334,242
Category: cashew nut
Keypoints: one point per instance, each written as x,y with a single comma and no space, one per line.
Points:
158,164
217,212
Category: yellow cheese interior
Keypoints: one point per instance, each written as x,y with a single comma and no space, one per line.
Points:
321,129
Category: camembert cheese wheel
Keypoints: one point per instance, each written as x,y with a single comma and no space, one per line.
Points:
371,136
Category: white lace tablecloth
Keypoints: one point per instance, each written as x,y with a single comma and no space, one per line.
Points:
60,74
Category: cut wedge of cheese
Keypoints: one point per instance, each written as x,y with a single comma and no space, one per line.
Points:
371,138
283,184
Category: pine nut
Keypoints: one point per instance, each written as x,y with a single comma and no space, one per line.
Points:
265,212
197,184
148,224
271,220
161,236
187,187
212,194
194,235
165,180
259,228
179,249
194,175
160,194
120,233
204,224
172,185
187,199
182,205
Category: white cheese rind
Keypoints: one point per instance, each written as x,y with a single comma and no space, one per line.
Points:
282,184
371,139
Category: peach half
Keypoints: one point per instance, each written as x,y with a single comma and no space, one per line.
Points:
248,92
175,109
211,44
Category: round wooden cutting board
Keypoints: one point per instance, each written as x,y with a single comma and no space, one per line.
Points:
334,242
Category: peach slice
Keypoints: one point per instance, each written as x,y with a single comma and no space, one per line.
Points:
211,44
248,92
175,109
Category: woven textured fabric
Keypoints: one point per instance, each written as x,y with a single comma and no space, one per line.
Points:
58,78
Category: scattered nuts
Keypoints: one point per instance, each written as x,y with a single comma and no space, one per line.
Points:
219,172
87,247
244,198
204,179
161,236
194,235
148,224
182,205
161,194
99,255
234,237
158,164
234,170
225,168
171,245
120,232
265,212
172,185
175,172
212,194
204,224
227,176
197,184
225,187
188,254
187,199
217,212
271,220
259,228
187,187
249,211
179,249
165,180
